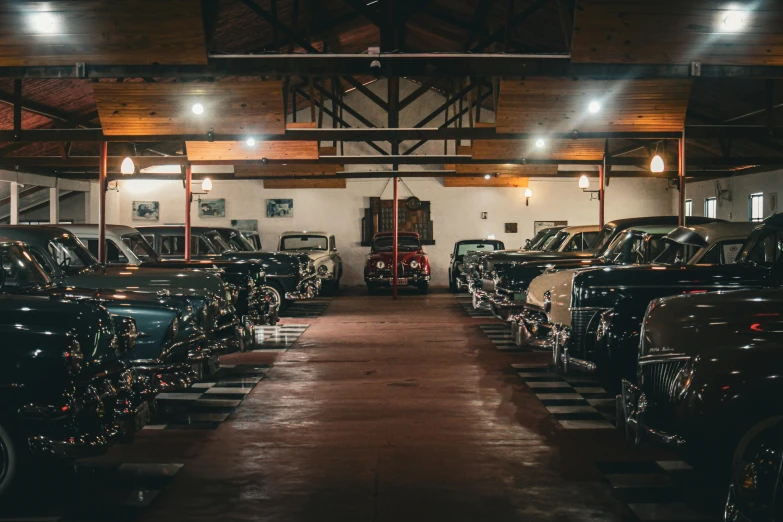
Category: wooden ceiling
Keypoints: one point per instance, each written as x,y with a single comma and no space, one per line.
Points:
127,32
677,31
561,105
252,107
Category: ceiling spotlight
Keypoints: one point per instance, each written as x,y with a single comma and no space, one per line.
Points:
733,21
487,176
656,165
540,143
198,108
584,182
43,23
594,107
127,167
251,142
206,185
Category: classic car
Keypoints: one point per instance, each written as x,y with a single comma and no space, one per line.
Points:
413,265
68,262
65,388
593,319
540,238
528,265
255,302
289,276
322,250
571,239
461,249
708,384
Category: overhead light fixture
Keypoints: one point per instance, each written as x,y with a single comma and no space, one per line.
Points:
584,182
540,143
198,108
251,142
487,176
528,195
656,165
127,167
206,185
594,107
733,21
45,23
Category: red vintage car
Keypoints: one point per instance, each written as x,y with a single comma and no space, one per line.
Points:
413,268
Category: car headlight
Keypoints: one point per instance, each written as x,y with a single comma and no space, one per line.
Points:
380,265
174,328
323,270
683,380
415,264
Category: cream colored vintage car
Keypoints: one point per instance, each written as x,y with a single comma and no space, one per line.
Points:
322,250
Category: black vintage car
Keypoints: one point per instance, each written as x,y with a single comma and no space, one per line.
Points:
596,326
457,279
292,277
709,383
66,390
543,235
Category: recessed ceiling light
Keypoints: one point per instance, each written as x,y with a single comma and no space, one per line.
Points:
487,176
540,143
594,107
251,142
198,108
733,21
43,23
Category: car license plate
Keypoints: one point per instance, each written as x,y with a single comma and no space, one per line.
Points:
214,364
142,416
520,297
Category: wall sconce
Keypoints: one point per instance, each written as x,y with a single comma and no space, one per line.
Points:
206,186
584,183
528,195
127,167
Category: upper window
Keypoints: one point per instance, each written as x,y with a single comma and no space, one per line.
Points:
464,248
688,207
405,244
756,207
114,255
175,245
711,207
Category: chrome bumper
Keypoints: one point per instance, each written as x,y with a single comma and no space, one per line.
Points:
80,446
307,288
528,330
633,407
412,279
503,306
480,299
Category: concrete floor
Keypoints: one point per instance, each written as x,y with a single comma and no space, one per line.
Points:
387,411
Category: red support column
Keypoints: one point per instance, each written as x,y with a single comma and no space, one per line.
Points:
681,178
601,197
188,198
395,234
102,168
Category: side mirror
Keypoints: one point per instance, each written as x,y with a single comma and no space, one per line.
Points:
527,243
451,256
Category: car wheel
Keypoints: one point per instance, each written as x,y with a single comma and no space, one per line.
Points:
9,462
279,296
424,289
453,286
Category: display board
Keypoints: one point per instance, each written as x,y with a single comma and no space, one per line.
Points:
379,218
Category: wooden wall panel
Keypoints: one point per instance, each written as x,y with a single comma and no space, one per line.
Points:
228,152
677,31
479,181
305,183
252,107
127,32
561,105
552,149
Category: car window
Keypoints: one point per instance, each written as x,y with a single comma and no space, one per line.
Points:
722,253
304,242
765,251
404,244
332,243
20,268
602,239
70,254
43,260
580,241
140,247
557,241
655,244
219,243
464,248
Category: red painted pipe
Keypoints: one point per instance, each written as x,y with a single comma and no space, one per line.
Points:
188,197
681,175
102,170
601,197
395,235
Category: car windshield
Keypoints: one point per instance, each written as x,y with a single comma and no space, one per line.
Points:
140,247
305,242
535,240
464,248
763,247
71,254
220,244
405,244
543,240
20,269
239,241
675,253
556,241
601,241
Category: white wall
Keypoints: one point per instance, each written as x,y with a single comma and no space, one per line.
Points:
741,187
455,211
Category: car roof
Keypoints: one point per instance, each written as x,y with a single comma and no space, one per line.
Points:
180,227
32,233
305,232
658,220
651,229
582,228
479,240
89,228
708,233
409,234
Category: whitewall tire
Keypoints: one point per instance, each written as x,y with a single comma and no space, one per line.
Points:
9,462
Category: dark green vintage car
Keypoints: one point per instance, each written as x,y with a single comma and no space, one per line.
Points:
68,262
66,389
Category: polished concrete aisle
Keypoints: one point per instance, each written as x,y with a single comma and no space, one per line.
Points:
388,411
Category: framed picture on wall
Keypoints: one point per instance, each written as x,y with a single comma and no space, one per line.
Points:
146,211
511,228
245,225
212,208
276,208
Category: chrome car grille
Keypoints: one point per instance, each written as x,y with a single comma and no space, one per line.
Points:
580,320
488,285
657,379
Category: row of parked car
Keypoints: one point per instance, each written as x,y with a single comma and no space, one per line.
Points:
684,323
88,346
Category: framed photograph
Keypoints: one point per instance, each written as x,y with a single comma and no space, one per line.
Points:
245,225
511,228
212,208
276,208
146,211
